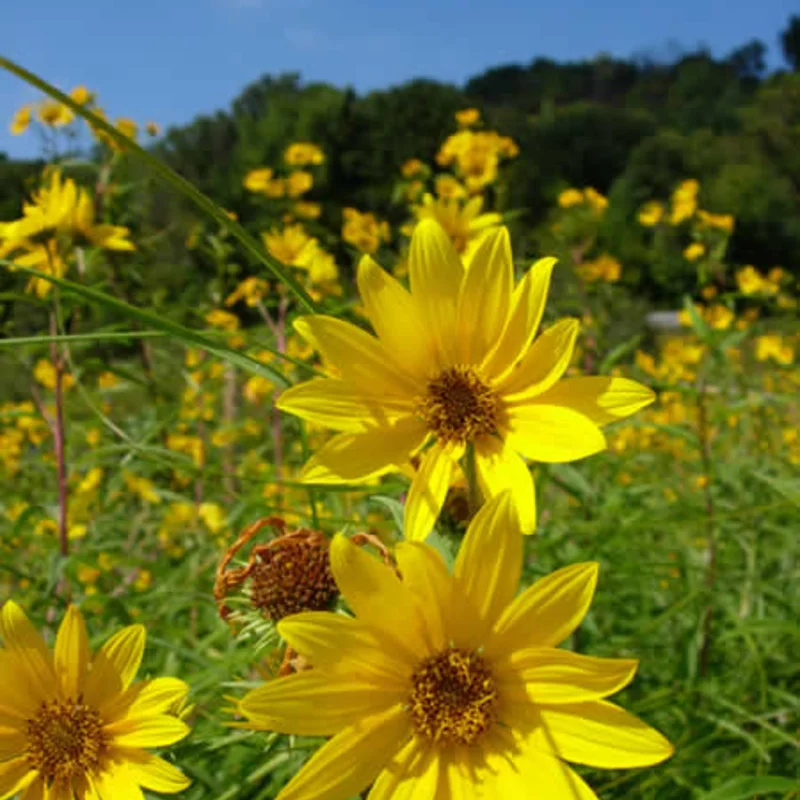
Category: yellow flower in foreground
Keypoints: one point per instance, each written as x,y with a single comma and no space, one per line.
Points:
74,725
454,365
449,685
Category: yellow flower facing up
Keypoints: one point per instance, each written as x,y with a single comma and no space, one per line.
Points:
20,121
454,365
76,725
463,222
452,685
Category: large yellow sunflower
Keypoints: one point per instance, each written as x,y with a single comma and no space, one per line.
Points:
73,725
454,366
447,686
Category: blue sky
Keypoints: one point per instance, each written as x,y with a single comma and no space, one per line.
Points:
169,60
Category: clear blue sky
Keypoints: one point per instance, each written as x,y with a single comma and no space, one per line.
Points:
169,60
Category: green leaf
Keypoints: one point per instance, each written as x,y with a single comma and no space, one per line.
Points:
699,325
619,352
169,176
173,329
745,787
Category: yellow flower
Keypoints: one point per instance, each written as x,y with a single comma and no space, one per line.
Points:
723,222
719,317
107,380
454,365
772,346
77,725
45,374
597,202
570,197
81,95
468,117
363,230
20,121
301,154
143,487
127,127
257,179
684,201
452,681
53,114
751,281
603,268
651,214
298,183
694,251
448,188
251,290
223,320
412,167
288,245
143,580
307,210
92,437
90,481
463,222
213,516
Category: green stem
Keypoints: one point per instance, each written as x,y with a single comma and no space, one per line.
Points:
474,496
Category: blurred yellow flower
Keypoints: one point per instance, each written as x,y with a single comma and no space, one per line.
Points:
107,380
773,347
723,222
448,188
412,167
570,197
468,117
603,268
20,121
213,516
45,374
363,230
127,127
307,210
257,179
651,214
298,183
301,154
684,201
694,251
152,128
223,320
54,114
289,244
142,487
597,202
81,95
251,290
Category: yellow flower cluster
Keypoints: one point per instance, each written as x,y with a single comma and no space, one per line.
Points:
589,197
604,268
476,156
363,230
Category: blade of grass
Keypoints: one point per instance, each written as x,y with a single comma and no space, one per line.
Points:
169,176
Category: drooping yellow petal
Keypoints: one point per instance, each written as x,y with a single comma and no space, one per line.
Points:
489,561
15,775
339,769
413,774
553,434
546,612
359,357
600,398
500,468
601,734
436,273
26,646
543,365
527,307
115,666
154,773
340,405
377,597
547,675
395,318
316,703
155,731
71,653
427,577
483,306
364,455
428,491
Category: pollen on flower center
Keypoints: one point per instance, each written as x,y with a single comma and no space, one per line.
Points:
459,406
453,697
66,739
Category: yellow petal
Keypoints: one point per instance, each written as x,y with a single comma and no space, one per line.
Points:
72,653
395,318
499,469
546,675
340,406
527,307
364,455
351,760
553,434
427,492
155,731
600,734
20,693
147,698
13,742
489,561
599,398
436,273
425,574
15,775
36,791
117,784
359,357
413,774
483,306
26,646
547,611
553,779
316,703
154,773
114,666
378,598
344,644
544,363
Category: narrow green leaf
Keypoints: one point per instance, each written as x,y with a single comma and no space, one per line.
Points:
743,788
77,338
169,176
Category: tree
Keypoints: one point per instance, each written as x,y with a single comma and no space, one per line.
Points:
790,42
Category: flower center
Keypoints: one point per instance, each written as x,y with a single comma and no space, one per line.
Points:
292,576
66,739
453,697
459,406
